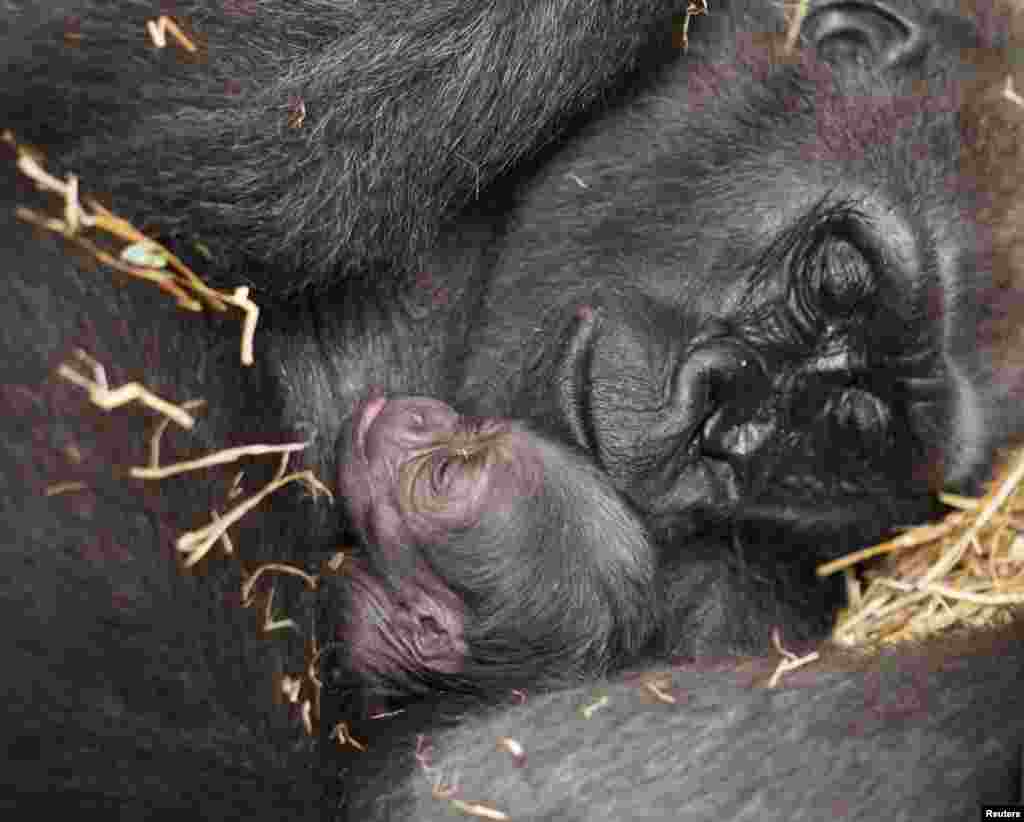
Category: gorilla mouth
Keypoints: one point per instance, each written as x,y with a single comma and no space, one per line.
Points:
752,435
848,479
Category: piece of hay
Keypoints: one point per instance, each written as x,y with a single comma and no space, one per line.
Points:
966,570
796,13
658,687
158,30
344,738
107,398
477,809
161,426
170,273
789,661
227,455
694,8
588,711
196,544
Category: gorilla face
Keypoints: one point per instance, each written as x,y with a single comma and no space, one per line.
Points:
756,286
756,293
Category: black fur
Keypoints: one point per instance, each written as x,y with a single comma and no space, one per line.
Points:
712,272
907,738
371,175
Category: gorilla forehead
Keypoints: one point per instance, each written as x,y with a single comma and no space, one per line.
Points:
681,192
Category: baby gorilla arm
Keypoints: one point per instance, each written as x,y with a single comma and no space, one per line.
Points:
489,552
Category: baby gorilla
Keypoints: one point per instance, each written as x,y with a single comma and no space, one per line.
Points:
492,556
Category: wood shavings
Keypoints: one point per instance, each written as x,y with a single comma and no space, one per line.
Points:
200,541
1010,93
336,562
158,30
694,8
291,687
235,490
658,687
344,738
314,660
387,714
223,457
796,20
854,590
296,113
302,690
306,710
448,792
276,568
990,506
514,748
172,275
269,623
908,539
789,661
225,539
107,398
982,599
443,790
195,545
68,487
588,711
240,299
161,426
966,570
478,810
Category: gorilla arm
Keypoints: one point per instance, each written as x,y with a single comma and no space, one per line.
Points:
282,143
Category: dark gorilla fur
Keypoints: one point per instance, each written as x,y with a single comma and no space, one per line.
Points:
928,734
372,173
470,525
755,292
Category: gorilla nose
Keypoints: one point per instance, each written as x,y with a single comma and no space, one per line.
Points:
713,391
732,440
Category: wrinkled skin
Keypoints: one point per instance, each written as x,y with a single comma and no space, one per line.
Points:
773,301
469,525
781,353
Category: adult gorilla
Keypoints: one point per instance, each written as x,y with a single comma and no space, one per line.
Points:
752,291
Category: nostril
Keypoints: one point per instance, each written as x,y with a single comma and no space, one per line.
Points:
712,373
716,375
728,439
859,410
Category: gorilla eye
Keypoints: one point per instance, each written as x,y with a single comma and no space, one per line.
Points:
846,277
446,470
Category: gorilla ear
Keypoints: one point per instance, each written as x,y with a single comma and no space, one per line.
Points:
863,35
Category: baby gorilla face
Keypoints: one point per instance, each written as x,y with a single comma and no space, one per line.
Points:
417,471
483,542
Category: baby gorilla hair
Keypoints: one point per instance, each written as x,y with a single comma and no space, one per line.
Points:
488,555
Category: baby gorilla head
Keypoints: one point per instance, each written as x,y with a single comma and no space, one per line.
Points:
489,553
